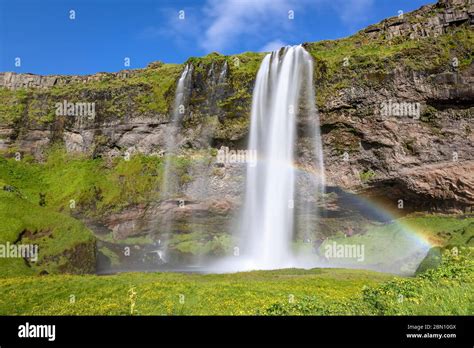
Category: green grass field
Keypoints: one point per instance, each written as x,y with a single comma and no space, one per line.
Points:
447,290
159,293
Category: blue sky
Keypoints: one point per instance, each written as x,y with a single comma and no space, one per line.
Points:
105,32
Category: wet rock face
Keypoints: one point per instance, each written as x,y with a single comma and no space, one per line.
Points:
441,187
425,157
413,152
210,208
182,216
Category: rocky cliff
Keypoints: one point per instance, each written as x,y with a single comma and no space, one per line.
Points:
396,103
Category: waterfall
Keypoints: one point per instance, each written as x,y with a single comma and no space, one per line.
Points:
284,85
168,186
223,74
181,96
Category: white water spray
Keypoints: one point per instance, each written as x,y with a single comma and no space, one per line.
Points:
168,187
284,83
181,96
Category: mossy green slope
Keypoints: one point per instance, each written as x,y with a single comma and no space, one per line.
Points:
65,244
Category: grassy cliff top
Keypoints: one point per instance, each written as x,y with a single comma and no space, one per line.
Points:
425,40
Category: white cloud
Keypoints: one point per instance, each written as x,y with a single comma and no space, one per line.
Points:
230,19
272,46
223,24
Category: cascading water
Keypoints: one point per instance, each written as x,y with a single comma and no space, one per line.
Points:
283,86
169,187
181,95
223,74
